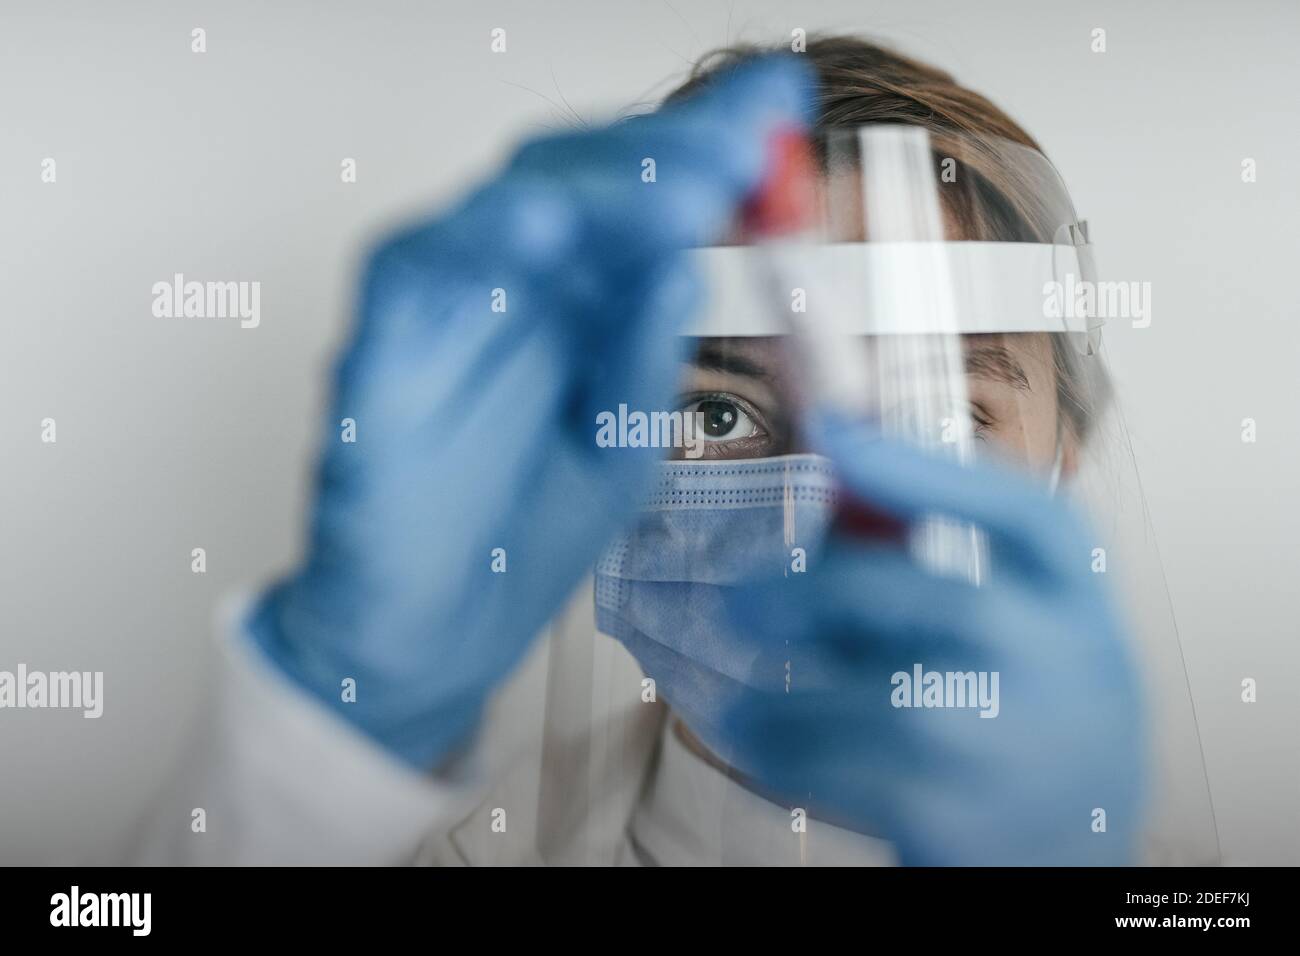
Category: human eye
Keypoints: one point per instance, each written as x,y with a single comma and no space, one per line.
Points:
730,427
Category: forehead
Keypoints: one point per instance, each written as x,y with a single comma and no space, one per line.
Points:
1021,361
919,209
839,208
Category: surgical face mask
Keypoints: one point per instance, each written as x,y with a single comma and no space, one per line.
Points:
708,525
659,588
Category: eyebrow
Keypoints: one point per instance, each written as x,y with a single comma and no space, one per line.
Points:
996,363
989,361
713,357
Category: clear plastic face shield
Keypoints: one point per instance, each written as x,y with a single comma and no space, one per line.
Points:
936,288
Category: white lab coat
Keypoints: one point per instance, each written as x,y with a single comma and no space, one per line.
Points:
280,780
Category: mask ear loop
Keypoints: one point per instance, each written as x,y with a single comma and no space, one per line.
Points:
1054,479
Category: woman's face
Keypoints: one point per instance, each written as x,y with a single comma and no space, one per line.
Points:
745,392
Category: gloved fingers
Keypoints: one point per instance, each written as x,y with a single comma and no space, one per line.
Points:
389,477
627,222
920,778
837,748
593,191
566,237
612,331
1038,536
447,396
506,225
514,252
864,600
420,356
691,202
428,334
673,178
764,92
944,784
1014,807
655,184
750,97
636,359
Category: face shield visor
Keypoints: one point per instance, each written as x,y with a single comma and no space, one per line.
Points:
942,289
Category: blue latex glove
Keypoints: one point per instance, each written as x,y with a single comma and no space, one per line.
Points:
475,428
947,786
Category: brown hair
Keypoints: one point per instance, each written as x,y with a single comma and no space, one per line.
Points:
860,82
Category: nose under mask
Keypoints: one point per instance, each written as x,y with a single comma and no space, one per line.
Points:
708,525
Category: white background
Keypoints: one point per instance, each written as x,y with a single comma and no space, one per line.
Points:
181,434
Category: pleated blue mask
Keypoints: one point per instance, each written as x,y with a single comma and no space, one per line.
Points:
706,526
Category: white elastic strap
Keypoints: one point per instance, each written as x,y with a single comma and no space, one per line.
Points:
1054,479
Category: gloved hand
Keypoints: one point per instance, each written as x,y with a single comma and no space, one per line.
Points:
487,341
946,786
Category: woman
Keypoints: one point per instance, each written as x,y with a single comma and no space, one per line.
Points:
779,595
